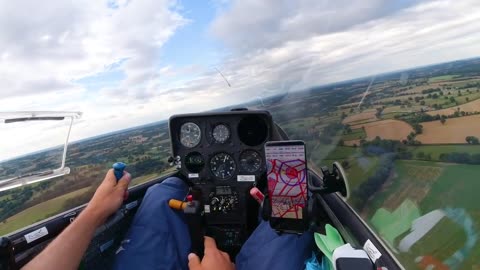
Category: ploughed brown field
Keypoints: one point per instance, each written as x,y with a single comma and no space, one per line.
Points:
386,129
473,106
361,117
453,131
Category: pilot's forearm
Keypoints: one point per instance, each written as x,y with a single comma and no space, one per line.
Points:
66,251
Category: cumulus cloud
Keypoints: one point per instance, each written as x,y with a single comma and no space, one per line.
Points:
251,24
271,47
45,44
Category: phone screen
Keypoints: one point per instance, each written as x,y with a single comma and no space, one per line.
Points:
287,179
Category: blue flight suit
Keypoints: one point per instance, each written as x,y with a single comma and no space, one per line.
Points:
159,239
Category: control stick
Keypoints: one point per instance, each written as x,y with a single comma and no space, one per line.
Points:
118,168
195,219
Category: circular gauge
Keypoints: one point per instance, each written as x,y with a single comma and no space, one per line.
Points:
250,161
252,130
222,166
190,135
194,162
221,133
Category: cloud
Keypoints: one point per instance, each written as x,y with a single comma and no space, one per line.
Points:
268,53
271,47
254,24
62,41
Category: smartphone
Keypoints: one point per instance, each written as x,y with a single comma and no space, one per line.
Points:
287,184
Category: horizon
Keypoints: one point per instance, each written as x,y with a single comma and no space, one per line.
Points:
165,120
149,70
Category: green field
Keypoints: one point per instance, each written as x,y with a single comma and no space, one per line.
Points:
342,152
356,134
5,197
358,169
436,150
392,224
433,185
442,78
38,212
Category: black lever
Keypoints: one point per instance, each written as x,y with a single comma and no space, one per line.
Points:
196,227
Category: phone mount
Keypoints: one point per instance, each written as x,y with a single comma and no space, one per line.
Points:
333,181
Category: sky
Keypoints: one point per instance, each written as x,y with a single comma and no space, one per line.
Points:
125,63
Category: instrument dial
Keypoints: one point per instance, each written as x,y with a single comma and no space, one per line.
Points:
194,162
221,133
250,161
190,135
222,166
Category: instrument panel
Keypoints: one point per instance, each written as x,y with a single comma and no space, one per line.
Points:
221,148
222,156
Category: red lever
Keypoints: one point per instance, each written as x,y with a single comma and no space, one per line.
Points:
189,198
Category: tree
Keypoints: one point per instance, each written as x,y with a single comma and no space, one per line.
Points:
459,93
452,99
345,164
467,99
418,128
443,119
472,140
422,102
347,130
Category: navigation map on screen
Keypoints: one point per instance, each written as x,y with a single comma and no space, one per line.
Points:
287,184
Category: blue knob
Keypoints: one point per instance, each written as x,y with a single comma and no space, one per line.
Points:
118,168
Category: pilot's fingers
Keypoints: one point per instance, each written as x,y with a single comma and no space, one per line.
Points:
194,262
225,255
123,183
110,178
210,243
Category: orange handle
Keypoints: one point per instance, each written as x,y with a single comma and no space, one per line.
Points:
176,204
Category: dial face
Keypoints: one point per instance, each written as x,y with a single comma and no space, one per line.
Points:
190,135
250,161
222,166
194,162
221,133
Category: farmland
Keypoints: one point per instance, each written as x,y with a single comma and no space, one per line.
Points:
436,163
38,212
386,129
454,130
402,158
471,107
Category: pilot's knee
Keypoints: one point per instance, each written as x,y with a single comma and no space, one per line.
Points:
170,186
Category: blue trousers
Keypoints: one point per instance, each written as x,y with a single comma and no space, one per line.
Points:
159,239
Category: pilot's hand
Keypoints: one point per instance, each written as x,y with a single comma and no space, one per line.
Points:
213,259
109,196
